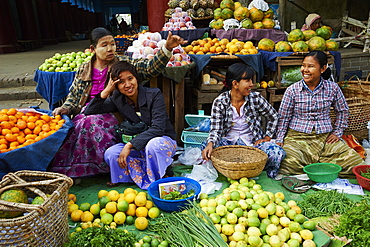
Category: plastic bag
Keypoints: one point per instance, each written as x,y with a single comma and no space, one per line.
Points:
191,156
259,4
204,125
231,24
204,172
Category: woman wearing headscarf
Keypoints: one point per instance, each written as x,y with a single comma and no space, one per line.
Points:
313,22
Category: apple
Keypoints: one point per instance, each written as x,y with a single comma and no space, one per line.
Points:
192,27
153,44
184,14
164,29
172,58
177,57
183,28
177,50
189,24
182,24
149,56
155,50
169,64
172,20
177,63
176,29
187,18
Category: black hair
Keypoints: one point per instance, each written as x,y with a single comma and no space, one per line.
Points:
322,59
237,72
121,66
98,33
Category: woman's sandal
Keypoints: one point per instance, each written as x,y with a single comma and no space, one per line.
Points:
110,184
295,185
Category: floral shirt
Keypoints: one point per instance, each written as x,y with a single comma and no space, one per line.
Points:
81,86
304,110
255,107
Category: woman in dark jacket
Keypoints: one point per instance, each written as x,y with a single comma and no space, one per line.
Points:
146,155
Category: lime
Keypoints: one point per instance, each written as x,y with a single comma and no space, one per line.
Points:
145,245
153,212
154,243
85,206
164,243
130,220
203,196
103,201
235,195
107,218
147,239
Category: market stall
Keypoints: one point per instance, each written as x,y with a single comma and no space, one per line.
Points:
250,34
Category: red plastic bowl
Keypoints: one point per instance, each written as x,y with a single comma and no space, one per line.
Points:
364,182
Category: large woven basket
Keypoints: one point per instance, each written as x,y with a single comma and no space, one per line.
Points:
237,161
359,116
355,87
41,225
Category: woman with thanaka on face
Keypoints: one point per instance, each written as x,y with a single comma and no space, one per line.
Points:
236,118
305,129
146,156
82,152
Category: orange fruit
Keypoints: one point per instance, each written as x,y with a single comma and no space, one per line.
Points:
39,122
15,130
39,138
10,137
12,119
11,111
21,124
45,128
6,125
13,144
3,146
25,117
46,118
32,119
30,136
37,130
6,131
20,139
19,114
27,131
31,125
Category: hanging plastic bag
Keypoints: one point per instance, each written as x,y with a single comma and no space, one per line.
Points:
259,4
191,156
204,172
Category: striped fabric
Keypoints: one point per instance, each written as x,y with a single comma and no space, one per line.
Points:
303,149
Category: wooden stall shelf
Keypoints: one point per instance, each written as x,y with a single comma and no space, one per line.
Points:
275,95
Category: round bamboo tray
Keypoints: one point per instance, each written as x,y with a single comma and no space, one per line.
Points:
236,161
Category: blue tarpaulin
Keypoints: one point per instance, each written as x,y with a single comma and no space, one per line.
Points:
53,86
38,155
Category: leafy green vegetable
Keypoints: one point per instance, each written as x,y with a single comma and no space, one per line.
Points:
189,228
290,75
366,174
100,237
325,203
355,224
176,195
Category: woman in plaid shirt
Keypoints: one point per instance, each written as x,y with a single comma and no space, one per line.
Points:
305,129
82,154
236,118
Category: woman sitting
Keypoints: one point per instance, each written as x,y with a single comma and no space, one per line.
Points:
83,151
305,129
145,157
312,22
236,118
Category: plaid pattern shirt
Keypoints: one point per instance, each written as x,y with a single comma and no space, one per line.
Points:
255,107
304,110
81,86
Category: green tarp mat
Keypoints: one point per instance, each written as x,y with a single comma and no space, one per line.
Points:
88,189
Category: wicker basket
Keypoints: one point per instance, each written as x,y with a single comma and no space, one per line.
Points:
359,116
41,225
354,87
237,161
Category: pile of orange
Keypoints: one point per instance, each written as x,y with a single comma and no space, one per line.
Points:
18,129
211,46
126,36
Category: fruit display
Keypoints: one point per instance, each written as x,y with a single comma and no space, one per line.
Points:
210,46
113,208
246,215
241,16
65,62
179,21
299,41
125,36
148,45
194,8
19,129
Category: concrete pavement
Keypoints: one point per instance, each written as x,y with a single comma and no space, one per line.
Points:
17,87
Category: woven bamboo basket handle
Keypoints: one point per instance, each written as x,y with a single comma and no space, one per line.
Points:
367,78
22,207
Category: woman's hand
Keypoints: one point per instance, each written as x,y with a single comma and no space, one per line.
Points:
266,139
332,139
124,154
174,41
111,86
206,153
60,111
280,144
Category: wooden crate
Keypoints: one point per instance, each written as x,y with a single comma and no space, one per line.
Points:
293,60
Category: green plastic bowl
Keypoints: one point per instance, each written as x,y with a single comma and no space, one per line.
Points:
322,172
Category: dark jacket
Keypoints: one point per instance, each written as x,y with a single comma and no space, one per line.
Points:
152,108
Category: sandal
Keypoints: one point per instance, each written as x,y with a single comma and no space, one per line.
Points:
295,185
110,184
